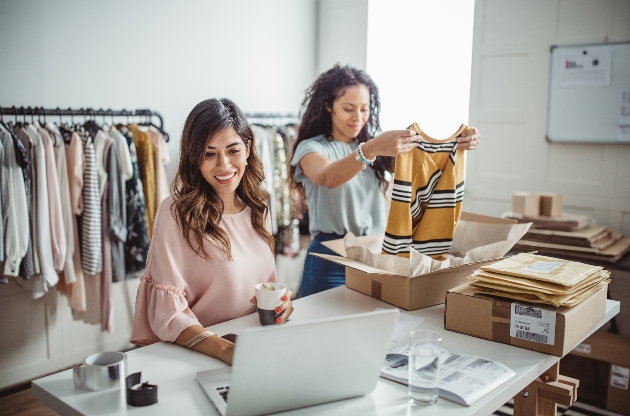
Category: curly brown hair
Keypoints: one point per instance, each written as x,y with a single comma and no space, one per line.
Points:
196,206
315,117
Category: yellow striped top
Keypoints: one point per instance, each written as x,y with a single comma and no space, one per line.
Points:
427,197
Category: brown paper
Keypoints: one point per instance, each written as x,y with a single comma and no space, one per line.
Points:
537,297
539,285
563,272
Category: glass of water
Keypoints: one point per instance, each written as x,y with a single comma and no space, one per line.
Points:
424,354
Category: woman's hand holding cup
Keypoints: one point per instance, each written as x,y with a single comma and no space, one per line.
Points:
273,301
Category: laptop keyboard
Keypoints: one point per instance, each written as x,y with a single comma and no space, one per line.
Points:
223,391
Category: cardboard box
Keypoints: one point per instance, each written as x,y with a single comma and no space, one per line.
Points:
408,293
619,289
490,317
604,346
618,399
613,349
551,204
526,204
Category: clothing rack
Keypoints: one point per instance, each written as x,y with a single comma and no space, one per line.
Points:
287,116
39,112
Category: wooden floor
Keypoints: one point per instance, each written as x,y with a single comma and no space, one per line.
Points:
23,404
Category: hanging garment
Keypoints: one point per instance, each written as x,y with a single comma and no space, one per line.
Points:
137,244
57,233
90,220
124,157
15,230
75,160
31,184
427,197
281,182
161,159
27,267
106,275
40,283
66,207
146,165
117,214
264,149
5,198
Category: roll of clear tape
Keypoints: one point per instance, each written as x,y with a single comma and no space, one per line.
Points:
101,371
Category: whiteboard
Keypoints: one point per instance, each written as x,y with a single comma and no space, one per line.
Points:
589,94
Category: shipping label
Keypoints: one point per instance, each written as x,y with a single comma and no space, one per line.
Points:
543,266
583,348
619,377
533,324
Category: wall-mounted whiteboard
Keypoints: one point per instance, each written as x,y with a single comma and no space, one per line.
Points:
589,94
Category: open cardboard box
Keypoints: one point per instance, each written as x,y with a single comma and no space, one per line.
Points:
405,292
490,317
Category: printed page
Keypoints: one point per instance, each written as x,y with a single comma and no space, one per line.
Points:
470,377
464,379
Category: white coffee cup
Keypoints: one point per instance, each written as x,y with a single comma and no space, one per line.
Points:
268,300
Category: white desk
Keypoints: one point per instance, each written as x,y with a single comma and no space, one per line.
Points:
173,369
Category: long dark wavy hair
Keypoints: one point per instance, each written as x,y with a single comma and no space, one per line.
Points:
316,117
196,206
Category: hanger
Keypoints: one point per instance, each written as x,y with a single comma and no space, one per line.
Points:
2,120
149,123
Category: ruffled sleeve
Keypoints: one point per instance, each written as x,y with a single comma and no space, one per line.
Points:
162,310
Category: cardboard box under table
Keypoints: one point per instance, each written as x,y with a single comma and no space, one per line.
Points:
542,328
615,350
409,292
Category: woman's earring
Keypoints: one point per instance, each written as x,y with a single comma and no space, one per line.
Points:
246,163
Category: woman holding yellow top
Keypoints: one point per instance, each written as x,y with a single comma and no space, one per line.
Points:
340,159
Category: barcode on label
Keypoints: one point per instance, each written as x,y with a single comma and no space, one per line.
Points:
619,377
527,311
530,336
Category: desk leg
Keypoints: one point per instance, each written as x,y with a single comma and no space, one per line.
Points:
544,394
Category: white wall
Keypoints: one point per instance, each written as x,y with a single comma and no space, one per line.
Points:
509,92
163,55
342,33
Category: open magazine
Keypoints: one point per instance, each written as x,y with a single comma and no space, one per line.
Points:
464,379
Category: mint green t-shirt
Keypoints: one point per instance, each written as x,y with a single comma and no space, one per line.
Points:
358,206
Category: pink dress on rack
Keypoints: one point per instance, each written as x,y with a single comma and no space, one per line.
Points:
179,288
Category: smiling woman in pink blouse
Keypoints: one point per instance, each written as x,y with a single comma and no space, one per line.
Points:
211,240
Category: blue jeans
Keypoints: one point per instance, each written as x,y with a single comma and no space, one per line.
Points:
320,274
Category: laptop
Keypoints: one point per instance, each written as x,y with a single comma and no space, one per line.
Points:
299,364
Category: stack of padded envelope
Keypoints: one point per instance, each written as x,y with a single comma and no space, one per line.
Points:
540,279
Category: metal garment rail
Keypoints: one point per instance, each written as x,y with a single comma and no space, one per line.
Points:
39,112
261,116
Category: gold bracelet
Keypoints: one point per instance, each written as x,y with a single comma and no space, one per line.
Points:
198,338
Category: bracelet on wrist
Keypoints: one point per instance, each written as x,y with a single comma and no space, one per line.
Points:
361,157
198,338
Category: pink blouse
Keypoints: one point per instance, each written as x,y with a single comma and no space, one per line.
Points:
179,288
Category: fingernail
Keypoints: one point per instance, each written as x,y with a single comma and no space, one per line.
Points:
278,309
278,321
284,298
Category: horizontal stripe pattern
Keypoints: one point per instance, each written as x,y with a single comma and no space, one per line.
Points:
427,198
91,222
395,244
447,199
429,147
401,191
